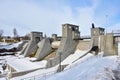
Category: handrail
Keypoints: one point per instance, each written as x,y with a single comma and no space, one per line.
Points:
116,31
39,76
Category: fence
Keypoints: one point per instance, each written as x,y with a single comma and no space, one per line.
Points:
85,37
38,77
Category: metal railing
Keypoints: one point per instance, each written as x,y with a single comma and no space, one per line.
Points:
115,31
85,37
38,77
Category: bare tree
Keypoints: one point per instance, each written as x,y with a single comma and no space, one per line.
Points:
15,33
1,33
27,36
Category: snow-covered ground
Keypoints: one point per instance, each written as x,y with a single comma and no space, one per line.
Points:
92,68
52,70
95,68
87,68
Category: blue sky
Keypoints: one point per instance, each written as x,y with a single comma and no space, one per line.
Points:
47,16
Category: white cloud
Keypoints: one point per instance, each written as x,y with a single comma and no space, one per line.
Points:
86,17
39,18
46,16
106,8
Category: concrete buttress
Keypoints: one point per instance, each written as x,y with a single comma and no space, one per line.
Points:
44,49
35,37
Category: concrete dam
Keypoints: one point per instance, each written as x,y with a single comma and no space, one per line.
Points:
42,47
56,49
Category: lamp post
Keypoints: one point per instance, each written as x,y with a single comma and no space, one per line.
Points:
118,48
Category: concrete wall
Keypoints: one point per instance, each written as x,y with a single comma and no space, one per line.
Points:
102,42
54,37
32,44
23,49
20,47
16,74
55,44
96,40
110,48
83,45
119,49
107,43
44,49
97,31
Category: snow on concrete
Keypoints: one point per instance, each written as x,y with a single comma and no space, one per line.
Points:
82,59
69,60
3,78
24,64
37,74
5,57
77,62
78,53
10,46
3,43
87,70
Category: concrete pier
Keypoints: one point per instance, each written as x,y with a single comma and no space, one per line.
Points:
70,36
44,49
35,37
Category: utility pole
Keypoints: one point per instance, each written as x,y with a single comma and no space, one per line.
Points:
106,23
106,34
